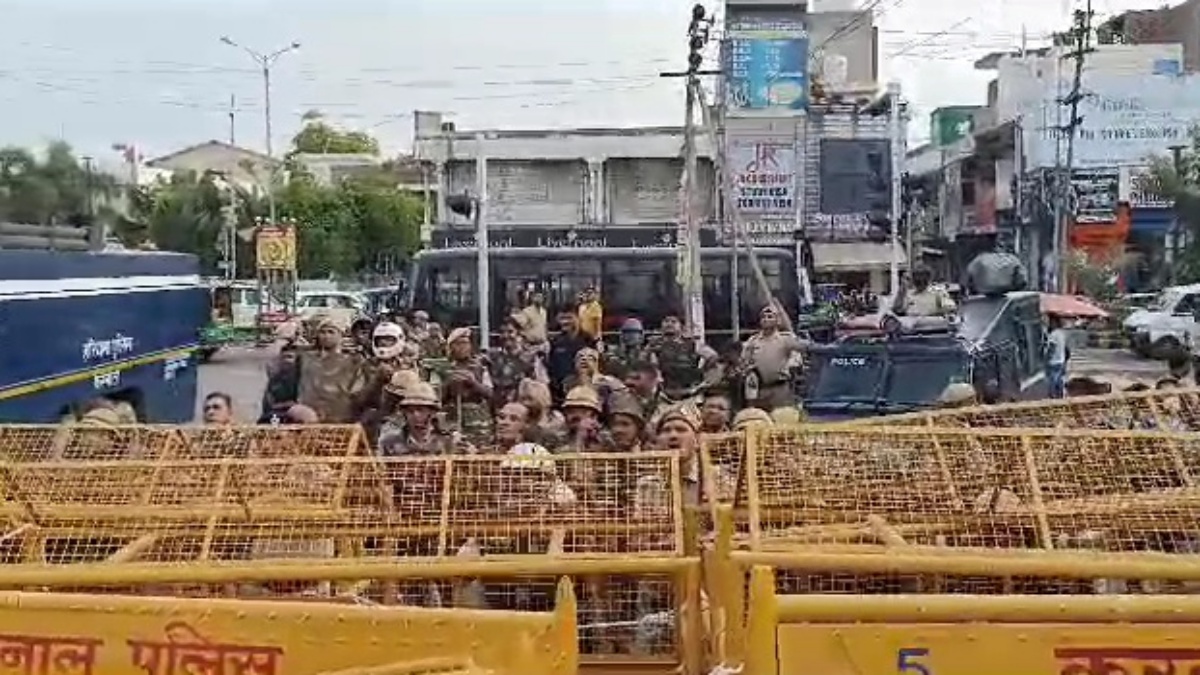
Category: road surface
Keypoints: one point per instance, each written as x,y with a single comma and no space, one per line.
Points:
241,373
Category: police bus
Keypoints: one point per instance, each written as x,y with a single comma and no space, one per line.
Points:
79,324
633,281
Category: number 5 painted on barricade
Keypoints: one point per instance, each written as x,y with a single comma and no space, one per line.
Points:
908,663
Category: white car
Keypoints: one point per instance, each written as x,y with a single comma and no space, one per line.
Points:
1163,327
343,306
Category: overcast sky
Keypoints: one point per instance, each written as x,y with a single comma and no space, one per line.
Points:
153,72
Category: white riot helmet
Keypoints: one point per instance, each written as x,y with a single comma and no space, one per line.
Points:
387,331
528,456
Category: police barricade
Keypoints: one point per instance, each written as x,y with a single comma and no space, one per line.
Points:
862,498
948,634
478,532
106,634
421,667
79,442
1166,410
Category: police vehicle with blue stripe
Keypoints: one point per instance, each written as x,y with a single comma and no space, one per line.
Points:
80,321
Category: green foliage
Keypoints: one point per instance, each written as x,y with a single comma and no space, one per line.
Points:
1180,182
318,137
1097,279
55,188
364,224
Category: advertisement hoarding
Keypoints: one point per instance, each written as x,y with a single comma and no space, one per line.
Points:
765,187
1133,189
764,177
1126,119
1096,193
766,66
855,184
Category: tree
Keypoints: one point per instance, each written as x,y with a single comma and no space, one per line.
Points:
53,189
1181,184
318,137
181,213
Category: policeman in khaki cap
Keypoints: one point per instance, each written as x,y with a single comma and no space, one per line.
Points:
679,430
416,433
752,417
583,409
787,416
626,422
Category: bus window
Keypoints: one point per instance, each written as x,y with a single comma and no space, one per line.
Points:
512,279
453,285
633,286
748,288
565,280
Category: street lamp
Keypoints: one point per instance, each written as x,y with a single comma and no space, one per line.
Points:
265,61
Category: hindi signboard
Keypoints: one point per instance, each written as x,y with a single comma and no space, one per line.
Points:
988,648
1096,193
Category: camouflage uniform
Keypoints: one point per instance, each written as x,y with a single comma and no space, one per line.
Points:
620,360
653,406
679,362
507,370
330,383
430,341
468,410
394,441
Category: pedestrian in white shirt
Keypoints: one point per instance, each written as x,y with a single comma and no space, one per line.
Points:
1058,353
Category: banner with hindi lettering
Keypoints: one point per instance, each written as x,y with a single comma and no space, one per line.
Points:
990,649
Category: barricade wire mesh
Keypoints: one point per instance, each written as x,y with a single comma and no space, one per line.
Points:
235,508
983,488
70,442
262,503
795,582
963,492
1165,410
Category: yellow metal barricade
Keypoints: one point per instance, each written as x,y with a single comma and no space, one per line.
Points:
474,532
107,635
77,442
863,536
954,634
1164,410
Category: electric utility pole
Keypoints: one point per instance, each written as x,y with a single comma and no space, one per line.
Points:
690,279
1081,45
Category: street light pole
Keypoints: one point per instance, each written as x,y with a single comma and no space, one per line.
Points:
265,61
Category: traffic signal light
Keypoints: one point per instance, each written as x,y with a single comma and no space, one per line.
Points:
697,37
463,205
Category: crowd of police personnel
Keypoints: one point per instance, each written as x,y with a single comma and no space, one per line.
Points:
420,390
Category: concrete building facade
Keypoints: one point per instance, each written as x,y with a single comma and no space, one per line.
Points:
1179,25
1002,177
585,178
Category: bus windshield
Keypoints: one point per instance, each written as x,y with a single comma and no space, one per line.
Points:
633,282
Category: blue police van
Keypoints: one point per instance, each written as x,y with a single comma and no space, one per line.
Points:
77,325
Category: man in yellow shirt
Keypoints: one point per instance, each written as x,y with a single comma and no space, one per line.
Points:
591,314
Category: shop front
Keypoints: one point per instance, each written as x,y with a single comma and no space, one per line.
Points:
1149,249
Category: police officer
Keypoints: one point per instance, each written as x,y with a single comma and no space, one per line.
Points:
767,357
922,299
682,361
414,431
630,349
511,363
467,388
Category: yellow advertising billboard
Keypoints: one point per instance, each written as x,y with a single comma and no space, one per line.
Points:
989,649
